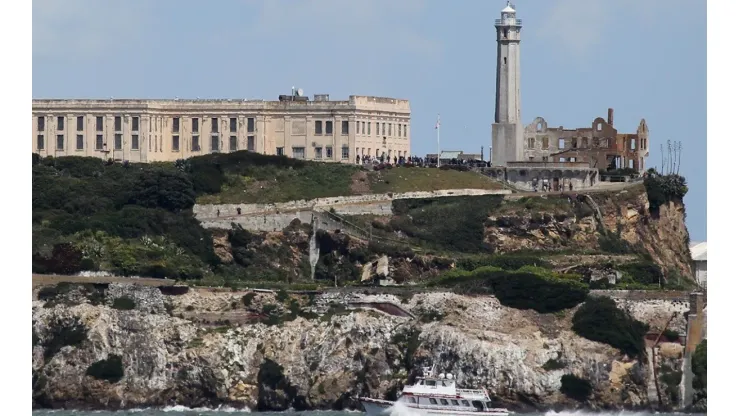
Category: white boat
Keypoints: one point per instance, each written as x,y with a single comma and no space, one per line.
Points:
435,395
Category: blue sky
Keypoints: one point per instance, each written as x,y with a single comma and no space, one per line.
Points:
645,59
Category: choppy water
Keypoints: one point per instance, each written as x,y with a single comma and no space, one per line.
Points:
183,411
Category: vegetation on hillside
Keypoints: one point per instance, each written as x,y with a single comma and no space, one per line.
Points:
600,319
699,368
662,189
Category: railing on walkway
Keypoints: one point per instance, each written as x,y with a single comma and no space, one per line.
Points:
360,232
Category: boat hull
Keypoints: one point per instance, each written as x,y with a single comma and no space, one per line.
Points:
377,407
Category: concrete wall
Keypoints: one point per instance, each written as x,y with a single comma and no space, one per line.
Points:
261,126
700,273
556,173
376,204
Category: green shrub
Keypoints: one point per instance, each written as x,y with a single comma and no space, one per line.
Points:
503,261
519,290
282,295
599,319
553,364
110,369
662,189
124,303
613,243
63,333
645,272
575,387
247,299
699,367
671,335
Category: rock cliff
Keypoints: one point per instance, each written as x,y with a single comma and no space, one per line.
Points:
208,348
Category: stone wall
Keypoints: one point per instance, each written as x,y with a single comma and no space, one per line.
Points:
273,217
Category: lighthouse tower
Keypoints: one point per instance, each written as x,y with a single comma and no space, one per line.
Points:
507,130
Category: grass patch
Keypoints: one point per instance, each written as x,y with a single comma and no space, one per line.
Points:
110,369
599,319
416,179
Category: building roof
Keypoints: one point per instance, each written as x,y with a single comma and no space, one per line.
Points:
450,154
508,9
698,250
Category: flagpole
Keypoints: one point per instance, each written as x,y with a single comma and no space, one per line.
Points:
438,152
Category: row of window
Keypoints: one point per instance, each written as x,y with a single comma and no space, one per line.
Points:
117,123
195,125
100,143
443,402
531,143
300,152
400,130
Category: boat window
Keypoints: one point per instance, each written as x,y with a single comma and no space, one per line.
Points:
430,382
478,405
465,403
489,405
444,402
412,399
455,403
432,400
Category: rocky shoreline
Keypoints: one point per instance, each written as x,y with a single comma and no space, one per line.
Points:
267,351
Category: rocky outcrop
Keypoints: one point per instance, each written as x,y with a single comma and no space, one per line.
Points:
312,361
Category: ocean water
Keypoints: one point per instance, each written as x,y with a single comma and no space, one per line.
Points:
183,411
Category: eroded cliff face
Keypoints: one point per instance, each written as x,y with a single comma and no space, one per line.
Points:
575,223
202,348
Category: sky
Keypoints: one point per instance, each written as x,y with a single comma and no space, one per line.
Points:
645,59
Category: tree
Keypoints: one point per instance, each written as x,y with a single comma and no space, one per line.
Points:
158,188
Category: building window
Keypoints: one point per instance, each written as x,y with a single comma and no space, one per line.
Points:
317,127
99,142
357,128
530,143
399,130
40,124
632,144
561,143
250,143
175,143
585,142
329,127
630,163
383,129
98,123
574,143
232,143
280,151
377,128
80,123
232,125
214,125
175,124
40,141
60,142
214,143
345,152
134,123
404,130
250,125
80,142
134,142
329,152
299,152
118,141
317,151
195,143
195,125
596,142
60,123
117,123
345,128
363,127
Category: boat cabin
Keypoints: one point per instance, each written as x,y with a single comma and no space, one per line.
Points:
440,392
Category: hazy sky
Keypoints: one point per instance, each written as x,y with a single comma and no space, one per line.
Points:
645,59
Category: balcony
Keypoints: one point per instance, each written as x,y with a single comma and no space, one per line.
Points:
508,22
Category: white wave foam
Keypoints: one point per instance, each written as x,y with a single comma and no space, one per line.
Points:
220,409
592,413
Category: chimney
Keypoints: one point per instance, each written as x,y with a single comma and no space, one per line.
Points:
610,117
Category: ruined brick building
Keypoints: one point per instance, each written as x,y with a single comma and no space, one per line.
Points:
598,146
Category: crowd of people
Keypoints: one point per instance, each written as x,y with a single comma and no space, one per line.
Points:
418,161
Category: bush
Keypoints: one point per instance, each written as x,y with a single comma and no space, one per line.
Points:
518,289
247,299
575,387
503,261
599,319
110,369
62,334
699,367
645,272
124,303
662,189
552,364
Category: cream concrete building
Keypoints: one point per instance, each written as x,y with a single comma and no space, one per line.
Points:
167,130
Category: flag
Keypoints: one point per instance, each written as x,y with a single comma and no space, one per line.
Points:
436,126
